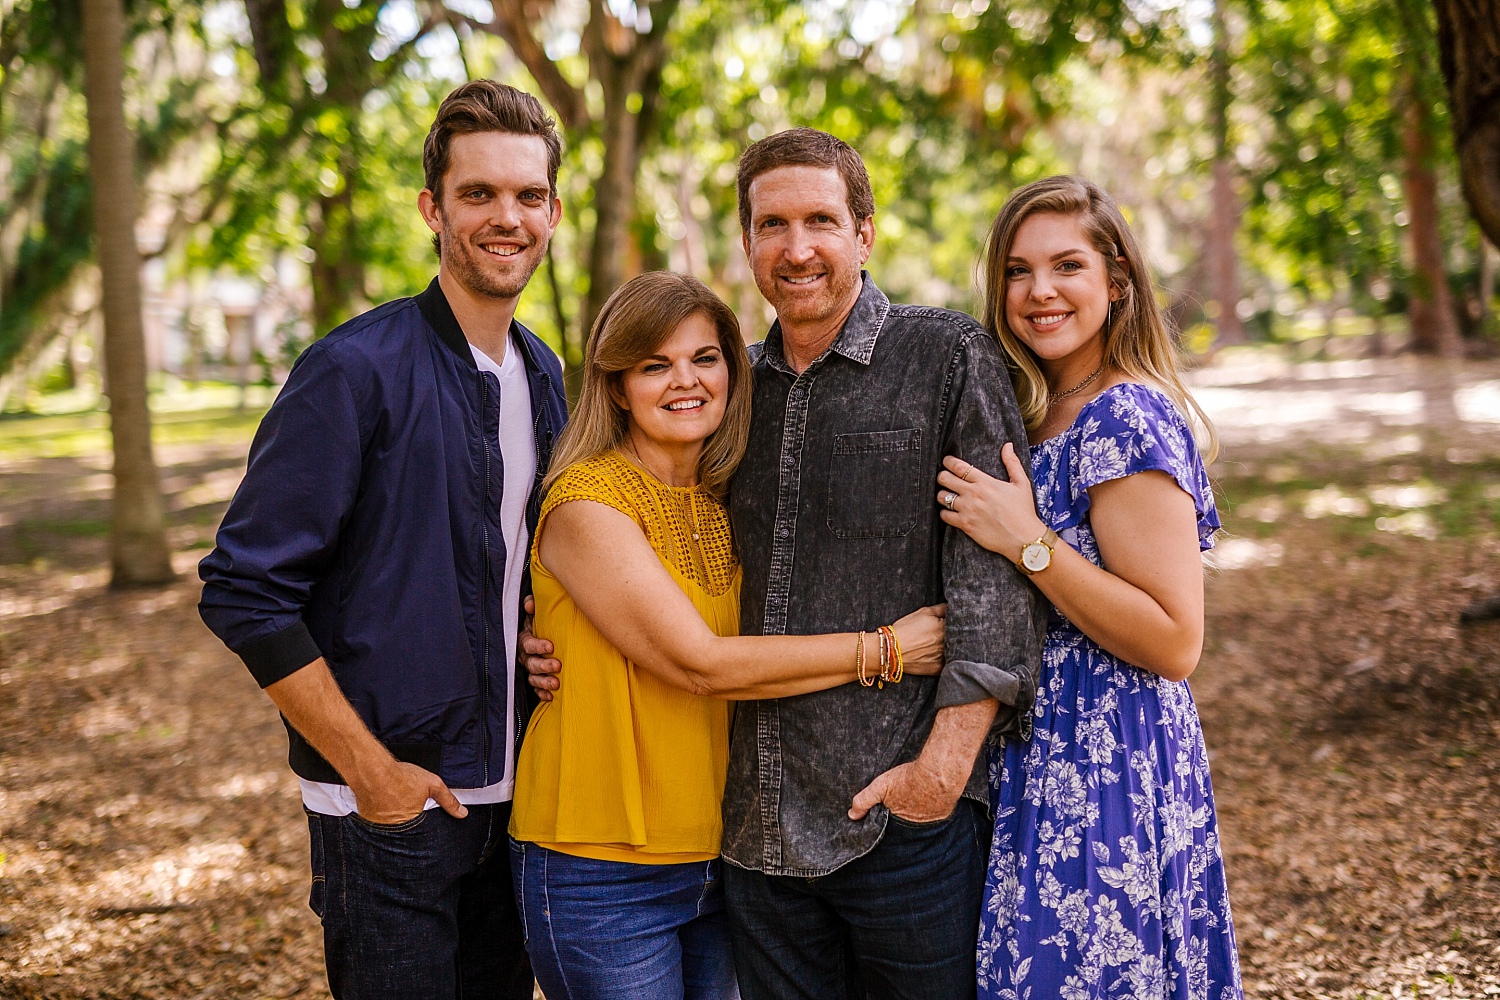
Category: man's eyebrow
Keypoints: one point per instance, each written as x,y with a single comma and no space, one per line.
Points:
476,184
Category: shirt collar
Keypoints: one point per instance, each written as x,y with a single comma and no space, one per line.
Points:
434,306
856,341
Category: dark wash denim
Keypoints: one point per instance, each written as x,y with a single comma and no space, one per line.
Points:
899,922
421,910
605,930
836,522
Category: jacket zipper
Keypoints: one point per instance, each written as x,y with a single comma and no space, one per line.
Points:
484,592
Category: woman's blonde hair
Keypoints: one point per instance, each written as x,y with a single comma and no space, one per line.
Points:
632,326
1137,340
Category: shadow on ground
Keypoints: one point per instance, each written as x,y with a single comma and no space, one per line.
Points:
152,843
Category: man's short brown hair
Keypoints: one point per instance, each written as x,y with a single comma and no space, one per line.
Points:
487,106
806,147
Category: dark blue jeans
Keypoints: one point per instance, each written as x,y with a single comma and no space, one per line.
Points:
422,910
900,922
613,930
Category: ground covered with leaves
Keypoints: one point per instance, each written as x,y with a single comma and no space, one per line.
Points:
152,843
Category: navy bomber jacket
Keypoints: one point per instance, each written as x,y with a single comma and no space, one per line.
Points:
367,531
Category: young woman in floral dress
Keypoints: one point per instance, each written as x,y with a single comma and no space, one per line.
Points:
1106,877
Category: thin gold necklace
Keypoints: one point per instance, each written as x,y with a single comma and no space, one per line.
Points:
691,498
1081,385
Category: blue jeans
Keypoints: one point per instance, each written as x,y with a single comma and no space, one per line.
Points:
612,930
899,922
422,910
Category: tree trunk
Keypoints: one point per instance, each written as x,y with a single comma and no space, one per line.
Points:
337,273
1487,260
138,540
1469,41
1434,327
614,197
1223,263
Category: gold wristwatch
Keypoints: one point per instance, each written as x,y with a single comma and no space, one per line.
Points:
1038,555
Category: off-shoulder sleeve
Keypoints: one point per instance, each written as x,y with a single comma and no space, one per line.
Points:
1134,428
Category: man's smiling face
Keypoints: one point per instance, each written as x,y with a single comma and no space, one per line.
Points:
805,247
497,211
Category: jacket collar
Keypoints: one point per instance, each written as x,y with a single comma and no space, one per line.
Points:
439,315
856,341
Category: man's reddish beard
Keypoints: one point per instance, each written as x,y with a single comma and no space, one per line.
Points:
461,257
841,283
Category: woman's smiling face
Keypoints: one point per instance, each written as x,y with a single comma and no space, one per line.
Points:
1057,290
679,394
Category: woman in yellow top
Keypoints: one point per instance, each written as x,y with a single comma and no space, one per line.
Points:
615,829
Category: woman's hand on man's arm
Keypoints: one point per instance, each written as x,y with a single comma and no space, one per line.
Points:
616,579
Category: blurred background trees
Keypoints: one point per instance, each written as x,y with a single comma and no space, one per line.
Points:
1292,164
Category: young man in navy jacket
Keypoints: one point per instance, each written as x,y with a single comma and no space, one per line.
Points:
371,568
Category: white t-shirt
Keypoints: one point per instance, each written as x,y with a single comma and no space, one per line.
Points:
518,452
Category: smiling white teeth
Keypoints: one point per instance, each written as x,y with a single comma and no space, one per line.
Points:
808,279
502,251
685,404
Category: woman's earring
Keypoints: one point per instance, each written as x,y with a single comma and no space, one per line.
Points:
1109,315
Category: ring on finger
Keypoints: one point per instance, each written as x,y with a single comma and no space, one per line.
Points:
949,499
967,473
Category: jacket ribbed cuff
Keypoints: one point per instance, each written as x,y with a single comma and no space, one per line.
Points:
964,682
280,654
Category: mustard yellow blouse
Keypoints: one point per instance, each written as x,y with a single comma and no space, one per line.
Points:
619,765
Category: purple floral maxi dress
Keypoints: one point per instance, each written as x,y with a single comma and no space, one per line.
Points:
1106,880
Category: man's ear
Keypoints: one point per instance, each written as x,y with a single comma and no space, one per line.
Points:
431,214
866,238
556,215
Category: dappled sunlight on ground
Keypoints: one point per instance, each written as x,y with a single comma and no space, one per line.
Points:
152,842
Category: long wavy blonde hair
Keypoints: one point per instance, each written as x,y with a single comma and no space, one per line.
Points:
1138,343
634,323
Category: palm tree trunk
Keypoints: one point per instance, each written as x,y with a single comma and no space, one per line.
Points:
138,541
1434,326
1223,262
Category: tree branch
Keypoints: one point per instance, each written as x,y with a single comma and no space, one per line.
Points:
512,26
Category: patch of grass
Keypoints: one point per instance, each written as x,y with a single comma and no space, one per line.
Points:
78,435
68,529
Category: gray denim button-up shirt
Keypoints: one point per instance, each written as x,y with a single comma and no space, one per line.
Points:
837,527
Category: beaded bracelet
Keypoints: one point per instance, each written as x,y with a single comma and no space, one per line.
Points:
859,663
892,664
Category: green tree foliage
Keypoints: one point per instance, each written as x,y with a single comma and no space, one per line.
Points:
45,201
1327,204
293,129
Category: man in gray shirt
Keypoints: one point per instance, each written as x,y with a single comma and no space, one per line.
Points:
855,820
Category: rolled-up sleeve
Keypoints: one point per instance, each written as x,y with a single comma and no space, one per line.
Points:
282,528
996,619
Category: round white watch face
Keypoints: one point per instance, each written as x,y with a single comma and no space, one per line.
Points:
1036,557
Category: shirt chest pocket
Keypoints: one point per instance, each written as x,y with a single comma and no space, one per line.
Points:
875,487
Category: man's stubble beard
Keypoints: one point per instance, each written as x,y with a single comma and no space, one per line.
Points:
842,288
461,259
